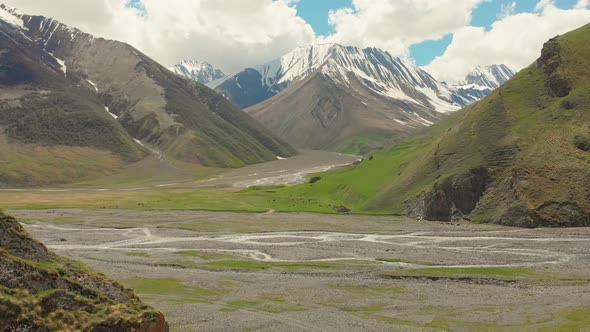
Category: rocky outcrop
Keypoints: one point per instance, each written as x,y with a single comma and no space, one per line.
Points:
16,241
40,291
582,142
158,324
549,214
551,64
453,199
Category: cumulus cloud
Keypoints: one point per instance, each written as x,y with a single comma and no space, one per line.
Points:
516,40
395,25
230,34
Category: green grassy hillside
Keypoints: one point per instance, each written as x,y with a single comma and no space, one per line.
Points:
518,157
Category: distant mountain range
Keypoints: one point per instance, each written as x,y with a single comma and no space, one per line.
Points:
95,105
349,99
201,72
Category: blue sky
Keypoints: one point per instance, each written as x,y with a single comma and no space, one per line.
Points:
315,12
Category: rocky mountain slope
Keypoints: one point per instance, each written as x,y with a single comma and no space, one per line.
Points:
343,98
201,72
519,157
40,291
92,103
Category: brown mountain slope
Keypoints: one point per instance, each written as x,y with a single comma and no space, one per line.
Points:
89,101
318,113
51,129
184,119
40,291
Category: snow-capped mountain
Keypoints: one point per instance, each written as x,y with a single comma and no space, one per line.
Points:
377,70
341,98
481,82
200,71
489,76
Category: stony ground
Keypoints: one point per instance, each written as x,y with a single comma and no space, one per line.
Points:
304,272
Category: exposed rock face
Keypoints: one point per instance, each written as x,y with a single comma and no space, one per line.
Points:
40,291
158,325
550,214
15,240
583,142
551,64
452,199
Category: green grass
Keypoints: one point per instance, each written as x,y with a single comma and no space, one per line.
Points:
250,266
139,254
574,319
361,144
204,255
170,289
366,308
407,261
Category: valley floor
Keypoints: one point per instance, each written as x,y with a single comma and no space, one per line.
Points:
219,271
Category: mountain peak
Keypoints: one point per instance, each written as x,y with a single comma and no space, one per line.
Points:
11,16
491,76
199,71
378,70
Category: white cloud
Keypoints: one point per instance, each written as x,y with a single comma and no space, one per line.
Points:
233,34
230,33
395,25
515,40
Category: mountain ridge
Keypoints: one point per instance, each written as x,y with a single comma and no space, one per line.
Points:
144,102
368,99
199,71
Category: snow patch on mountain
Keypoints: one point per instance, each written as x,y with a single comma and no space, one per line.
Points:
481,82
489,76
201,72
11,16
377,70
